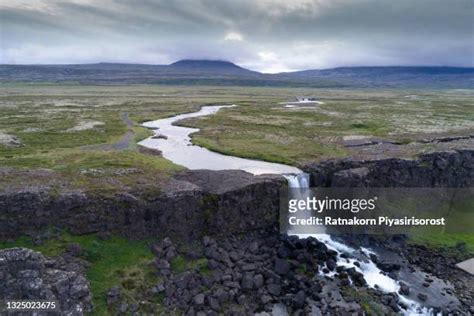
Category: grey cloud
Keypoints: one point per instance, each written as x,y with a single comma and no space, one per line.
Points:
278,34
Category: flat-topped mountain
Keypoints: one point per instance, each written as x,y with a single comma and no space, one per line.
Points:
219,72
213,65
204,63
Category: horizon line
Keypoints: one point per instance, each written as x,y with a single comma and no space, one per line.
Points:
233,63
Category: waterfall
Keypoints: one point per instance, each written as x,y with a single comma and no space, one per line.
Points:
298,188
300,180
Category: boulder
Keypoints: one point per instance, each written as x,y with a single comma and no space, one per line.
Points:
28,274
199,299
281,266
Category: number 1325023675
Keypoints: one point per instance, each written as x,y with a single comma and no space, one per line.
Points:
28,305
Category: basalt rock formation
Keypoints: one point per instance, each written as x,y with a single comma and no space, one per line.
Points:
28,275
188,206
454,168
200,202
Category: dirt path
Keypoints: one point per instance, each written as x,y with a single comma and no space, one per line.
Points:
123,143
124,116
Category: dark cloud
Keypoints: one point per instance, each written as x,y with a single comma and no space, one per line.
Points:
269,35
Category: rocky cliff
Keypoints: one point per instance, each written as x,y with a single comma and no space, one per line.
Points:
189,205
199,202
453,168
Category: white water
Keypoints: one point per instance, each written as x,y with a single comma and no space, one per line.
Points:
179,149
374,277
300,180
372,274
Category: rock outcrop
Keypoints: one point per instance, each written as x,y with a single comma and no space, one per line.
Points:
200,202
255,273
28,275
454,168
190,205
258,272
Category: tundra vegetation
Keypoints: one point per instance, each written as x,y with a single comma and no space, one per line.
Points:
52,124
87,135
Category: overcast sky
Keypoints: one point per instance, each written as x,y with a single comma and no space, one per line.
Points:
263,35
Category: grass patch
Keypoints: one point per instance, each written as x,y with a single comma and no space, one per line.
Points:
260,146
115,261
96,171
141,133
458,230
446,240
367,302
180,264
76,161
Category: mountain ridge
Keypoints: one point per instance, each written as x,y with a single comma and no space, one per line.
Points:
222,72
223,62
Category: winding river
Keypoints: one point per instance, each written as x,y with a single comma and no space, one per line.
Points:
178,148
175,144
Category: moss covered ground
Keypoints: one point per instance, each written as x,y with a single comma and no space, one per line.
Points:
113,262
48,119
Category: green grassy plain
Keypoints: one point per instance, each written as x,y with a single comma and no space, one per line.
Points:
42,116
264,129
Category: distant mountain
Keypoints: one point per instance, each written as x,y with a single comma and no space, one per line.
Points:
209,66
391,76
387,71
215,72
